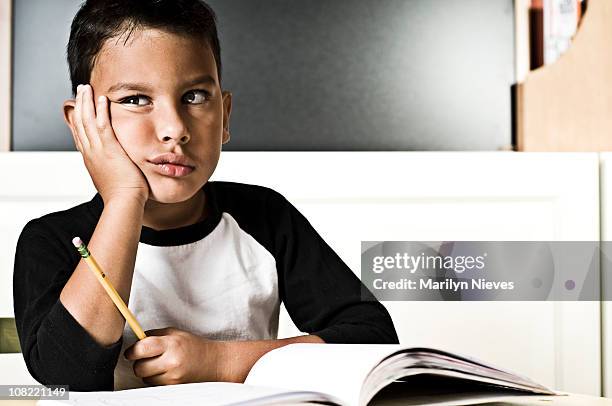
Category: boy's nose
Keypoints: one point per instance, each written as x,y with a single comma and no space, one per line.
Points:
172,127
180,139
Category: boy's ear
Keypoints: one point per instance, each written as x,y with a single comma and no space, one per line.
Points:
227,111
68,110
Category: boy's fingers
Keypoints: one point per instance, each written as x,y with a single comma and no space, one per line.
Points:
102,117
77,143
89,115
156,380
145,348
148,367
78,120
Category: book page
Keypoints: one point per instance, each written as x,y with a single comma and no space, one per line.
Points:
191,394
337,369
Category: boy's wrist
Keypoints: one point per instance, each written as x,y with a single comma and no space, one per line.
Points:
234,359
223,361
126,198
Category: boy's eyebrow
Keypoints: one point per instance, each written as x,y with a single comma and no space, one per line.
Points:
146,87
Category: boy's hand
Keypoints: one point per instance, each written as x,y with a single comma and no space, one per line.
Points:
170,356
113,173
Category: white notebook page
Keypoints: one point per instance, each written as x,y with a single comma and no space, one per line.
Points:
336,369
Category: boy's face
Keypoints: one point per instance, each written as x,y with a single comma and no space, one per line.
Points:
165,97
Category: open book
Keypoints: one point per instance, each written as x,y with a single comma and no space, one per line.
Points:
339,374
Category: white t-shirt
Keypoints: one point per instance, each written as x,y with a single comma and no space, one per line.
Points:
223,286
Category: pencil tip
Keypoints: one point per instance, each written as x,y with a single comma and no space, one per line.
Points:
77,242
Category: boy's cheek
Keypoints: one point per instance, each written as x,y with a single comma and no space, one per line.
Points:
133,140
125,117
131,131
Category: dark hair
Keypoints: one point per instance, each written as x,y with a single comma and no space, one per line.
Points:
98,20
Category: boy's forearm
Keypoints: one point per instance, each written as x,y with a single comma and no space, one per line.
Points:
113,244
240,356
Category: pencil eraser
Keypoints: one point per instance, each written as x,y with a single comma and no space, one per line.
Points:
76,241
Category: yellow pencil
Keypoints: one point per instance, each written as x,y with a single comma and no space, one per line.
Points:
95,268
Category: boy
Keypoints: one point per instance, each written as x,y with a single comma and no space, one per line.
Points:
212,260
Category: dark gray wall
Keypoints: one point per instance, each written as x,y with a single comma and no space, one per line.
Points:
316,74
40,73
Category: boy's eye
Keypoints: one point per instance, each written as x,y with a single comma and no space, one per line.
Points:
192,97
136,100
196,96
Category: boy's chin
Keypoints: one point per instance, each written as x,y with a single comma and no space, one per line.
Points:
170,195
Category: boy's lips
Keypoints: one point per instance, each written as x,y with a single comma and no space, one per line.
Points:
173,165
175,171
171,158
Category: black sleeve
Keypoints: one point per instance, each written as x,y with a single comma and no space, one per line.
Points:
321,293
56,348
